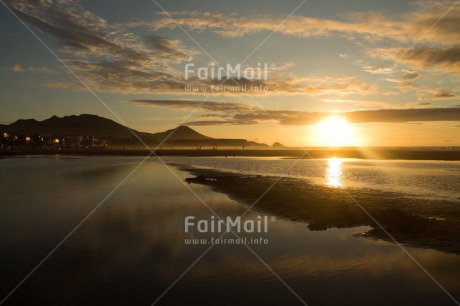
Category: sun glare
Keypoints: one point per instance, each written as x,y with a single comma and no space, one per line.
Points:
335,131
334,172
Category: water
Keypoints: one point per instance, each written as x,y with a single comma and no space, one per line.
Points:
132,248
425,179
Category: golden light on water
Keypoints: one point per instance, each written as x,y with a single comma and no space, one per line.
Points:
334,172
335,131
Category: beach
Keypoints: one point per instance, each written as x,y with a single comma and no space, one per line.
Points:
413,222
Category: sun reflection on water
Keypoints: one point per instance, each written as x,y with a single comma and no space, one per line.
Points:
334,172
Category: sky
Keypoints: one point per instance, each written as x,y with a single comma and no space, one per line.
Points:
389,70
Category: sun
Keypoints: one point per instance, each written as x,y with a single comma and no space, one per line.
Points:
335,131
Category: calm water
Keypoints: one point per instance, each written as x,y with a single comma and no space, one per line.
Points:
428,179
132,248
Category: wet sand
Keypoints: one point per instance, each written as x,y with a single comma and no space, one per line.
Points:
413,222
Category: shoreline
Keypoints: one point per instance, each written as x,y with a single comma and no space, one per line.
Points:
413,222
365,153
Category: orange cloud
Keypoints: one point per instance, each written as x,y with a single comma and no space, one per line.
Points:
431,58
413,26
232,113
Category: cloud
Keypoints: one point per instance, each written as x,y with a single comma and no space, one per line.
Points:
108,56
428,93
112,57
436,39
439,94
281,67
405,115
407,77
232,113
428,58
170,47
233,25
15,68
371,116
381,69
413,26
191,104
427,24
340,85
360,104
76,30
19,68
129,58
424,104
406,86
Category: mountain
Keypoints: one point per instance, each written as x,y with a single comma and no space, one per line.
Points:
180,133
277,145
92,125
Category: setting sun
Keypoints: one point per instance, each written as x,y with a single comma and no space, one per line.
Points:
335,131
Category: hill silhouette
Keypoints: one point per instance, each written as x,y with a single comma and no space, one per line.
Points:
93,125
180,133
70,125
277,145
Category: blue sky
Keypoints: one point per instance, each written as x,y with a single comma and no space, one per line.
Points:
330,56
